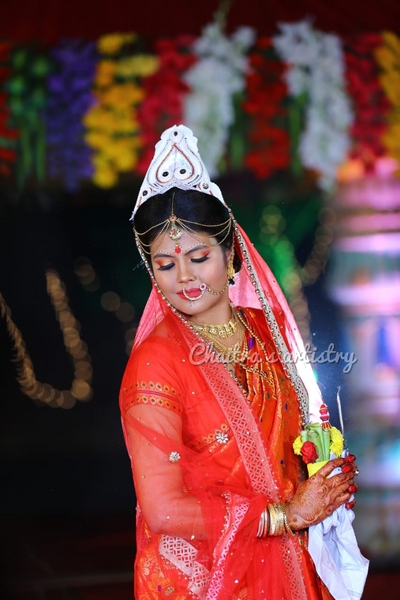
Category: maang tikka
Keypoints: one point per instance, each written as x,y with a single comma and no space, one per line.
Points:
174,233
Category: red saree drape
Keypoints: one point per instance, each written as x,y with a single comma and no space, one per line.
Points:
206,460
208,456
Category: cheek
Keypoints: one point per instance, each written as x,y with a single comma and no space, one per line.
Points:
164,279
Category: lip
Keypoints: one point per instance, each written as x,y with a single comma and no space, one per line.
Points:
193,292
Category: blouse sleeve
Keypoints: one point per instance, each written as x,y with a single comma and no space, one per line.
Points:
180,492
152,406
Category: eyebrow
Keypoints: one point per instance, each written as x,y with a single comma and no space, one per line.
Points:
160,255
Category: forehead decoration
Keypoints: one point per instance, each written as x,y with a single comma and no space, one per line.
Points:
176,163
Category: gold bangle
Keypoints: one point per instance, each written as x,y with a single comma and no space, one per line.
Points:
280,530
261,525
266,523
287,526
272,517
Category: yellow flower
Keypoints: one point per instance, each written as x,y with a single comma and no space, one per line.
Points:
297,444
392,40
100,160
112,43
105,177
385,58
121,95
96,139
105,71
125,161
336,441
388,57
95,116
141,65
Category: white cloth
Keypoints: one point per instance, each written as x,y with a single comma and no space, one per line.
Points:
333,547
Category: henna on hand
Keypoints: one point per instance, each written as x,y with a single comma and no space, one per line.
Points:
317,498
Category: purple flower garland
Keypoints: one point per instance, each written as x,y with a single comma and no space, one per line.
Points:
70,97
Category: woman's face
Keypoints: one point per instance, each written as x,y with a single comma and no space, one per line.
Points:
197,262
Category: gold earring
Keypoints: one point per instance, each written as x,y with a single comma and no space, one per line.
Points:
231,270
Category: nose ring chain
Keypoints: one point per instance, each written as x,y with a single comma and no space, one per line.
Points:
192,299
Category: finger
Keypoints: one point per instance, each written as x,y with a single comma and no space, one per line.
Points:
349,467
337,502
330,466
350,504
340,478
342,489
343,498
351,458
353,488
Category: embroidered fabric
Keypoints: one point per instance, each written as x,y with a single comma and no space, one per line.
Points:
183,556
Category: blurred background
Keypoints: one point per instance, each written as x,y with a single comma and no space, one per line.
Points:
296,106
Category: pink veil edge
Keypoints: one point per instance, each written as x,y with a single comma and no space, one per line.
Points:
285,321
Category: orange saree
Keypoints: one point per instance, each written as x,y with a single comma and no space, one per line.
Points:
206,460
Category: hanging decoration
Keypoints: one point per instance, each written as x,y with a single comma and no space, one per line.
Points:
388,57
304,100
370,105
315,77
8,136
112,124
219,74
27,95
165,93
69,87
44,393
264,103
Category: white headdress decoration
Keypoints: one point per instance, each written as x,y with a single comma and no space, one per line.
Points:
176,163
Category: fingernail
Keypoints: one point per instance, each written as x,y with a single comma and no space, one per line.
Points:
346,468
351,488
349,504
351,458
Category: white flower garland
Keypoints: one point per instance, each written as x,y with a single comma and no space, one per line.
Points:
316,67
218,74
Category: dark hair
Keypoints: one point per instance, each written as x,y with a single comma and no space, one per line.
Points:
189,205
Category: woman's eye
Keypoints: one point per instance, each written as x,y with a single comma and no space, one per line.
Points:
200,260
165,267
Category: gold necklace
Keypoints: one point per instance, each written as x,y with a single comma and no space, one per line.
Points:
232,353
224,330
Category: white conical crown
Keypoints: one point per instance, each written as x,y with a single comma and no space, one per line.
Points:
176,163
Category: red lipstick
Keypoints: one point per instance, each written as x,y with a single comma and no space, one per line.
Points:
192,293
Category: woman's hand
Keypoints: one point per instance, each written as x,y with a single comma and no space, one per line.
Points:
317,498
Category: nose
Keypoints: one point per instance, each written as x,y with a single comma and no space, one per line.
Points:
185,274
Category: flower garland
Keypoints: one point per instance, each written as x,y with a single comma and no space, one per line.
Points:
316,73
369,101
27,96
112,122
319,442
8,136
265,93
69,99
214,79
388,57
165,91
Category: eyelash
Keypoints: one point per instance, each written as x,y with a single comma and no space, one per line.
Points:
195,260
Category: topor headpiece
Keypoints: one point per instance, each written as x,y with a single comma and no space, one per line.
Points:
176,163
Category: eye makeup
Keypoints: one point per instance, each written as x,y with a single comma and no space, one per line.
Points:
201,259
